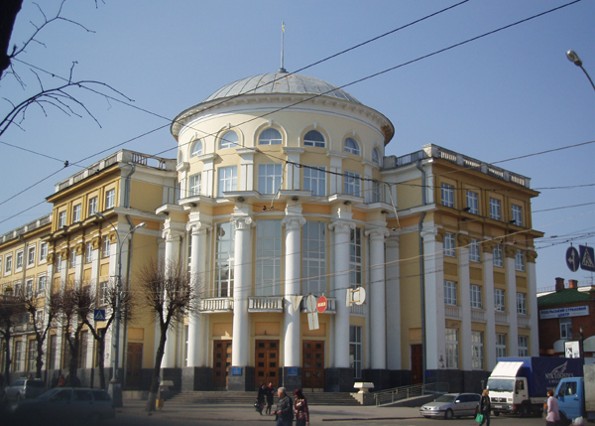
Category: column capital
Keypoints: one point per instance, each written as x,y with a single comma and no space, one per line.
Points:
488,246
463,240
198,228
293,222
510,251
170,234
531,256
341,226
380,233
242,222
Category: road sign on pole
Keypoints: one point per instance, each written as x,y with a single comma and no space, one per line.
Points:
587,257
99,314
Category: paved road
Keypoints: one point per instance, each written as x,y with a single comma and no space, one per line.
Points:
133,414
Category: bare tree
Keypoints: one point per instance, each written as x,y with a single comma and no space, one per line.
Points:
42,313
11,311
169,294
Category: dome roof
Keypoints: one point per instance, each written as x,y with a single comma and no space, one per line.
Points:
281,82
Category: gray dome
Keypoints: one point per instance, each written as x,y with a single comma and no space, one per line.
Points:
281,82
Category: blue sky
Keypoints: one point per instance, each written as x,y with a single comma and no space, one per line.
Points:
510,94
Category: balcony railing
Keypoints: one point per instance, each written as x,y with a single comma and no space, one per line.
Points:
478,315
452,311
216,305
501,317
265,304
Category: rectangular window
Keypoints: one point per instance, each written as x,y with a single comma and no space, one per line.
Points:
477,350
355,258
315,181
523,346
498,256
450,293
475,296
43,252
521,303
8,264
450,244
500,345
228,180
355,350
495,208
41,283
499,300
61,219
314,258
29,287
223,260
105,246
565,328
474,251
352,184
18,357
77,210
269,178
194,185
31,355
103,293
88,252
110,198
519,261
92,206
20,259
452,348
377,195
517,215
447,194
31,255
53,351
268,258
58,261
72,259
82,355
472,202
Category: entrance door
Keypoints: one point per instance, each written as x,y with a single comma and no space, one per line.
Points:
267,362
417,363
221,363
134,365
313,365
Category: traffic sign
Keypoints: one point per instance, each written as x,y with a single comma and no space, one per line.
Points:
572,259
311,303
587,257
321,304
99,314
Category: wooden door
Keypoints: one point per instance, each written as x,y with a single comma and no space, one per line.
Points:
417,363
134,365
221,363
313,365
267,362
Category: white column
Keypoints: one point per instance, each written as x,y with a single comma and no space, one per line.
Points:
196,327
241,289
510,280
342,230
488,286
293,224
393,304
377,299
435,329
465,304
172,256
532,302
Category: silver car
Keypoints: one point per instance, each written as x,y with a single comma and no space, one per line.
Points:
24,389
452,405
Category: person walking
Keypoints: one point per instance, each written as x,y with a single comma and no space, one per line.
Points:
260,398
485,407
300,407
553,415
269,394
284,409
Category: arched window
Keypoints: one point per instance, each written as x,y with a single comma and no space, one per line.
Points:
351,146
314,138
376,157
229,140
196,148
270,136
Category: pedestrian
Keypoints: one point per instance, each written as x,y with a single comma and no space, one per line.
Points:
269,394
300,407
260,398
552,415
61,380
485,407
284,409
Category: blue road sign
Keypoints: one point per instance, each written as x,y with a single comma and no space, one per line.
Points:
587,258
572,259
99,314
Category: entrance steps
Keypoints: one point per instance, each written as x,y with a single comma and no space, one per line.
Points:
248,398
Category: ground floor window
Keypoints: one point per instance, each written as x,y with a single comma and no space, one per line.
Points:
355,350
477,350
452,348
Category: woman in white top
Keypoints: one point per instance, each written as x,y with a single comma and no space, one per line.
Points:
553,416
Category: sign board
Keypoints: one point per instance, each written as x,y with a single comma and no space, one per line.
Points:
587,256
356,295
321,304
99,314
311,303
313,321
236,371
572,259
570,311
572,349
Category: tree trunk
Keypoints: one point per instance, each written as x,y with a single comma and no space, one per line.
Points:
7,359
39,358
73,364
101,356
154,389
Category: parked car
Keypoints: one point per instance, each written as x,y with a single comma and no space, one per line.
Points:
24,389
452,405
65,405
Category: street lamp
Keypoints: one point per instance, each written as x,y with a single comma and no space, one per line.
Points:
576,60
115,385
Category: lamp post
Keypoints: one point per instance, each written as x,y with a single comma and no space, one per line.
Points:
576,60
115,385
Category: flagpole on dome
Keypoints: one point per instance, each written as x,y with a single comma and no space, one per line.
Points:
282,69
